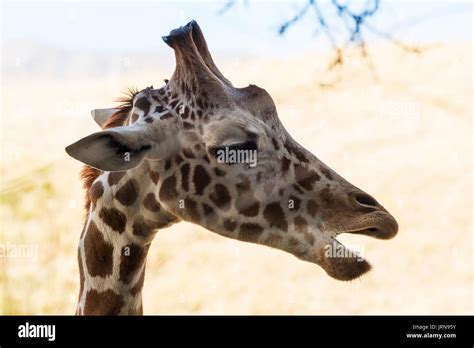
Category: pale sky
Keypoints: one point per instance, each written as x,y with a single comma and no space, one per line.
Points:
250,26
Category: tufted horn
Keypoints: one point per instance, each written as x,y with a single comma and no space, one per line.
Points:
200,42
194,64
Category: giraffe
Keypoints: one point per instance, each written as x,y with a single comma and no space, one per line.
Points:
155,163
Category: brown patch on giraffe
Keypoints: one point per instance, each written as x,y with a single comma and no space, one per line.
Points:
165,220
134,117
296,151
185,169
167,164
246,203
285,164
113,218
275,216
159,108
168,189
199,103
96,191
300,223
305,177
98,253
327,197
139,284
151,203
230,225
149,119
185,113
249,232
178,160
309,238
311,207
209,213
275,144
201,179
326,172
187,125
154,176
221,197
114,177
173,103
103,303
273,239
219,172
141,227
191,210
143,104
131,260
128,193
188,153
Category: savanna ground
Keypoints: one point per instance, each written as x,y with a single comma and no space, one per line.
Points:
406,139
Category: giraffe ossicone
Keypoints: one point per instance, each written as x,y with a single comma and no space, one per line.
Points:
155,163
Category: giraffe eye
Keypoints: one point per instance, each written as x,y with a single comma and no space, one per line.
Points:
234,153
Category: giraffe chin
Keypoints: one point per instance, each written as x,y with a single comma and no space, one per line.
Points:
342,263
345,268
338,261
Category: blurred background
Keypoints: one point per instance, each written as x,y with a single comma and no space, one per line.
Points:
393,116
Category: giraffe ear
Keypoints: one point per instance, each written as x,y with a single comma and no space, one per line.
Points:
102,115
116,149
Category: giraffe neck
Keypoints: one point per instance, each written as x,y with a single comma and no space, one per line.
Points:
123,218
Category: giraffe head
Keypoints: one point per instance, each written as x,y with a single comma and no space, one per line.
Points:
218,156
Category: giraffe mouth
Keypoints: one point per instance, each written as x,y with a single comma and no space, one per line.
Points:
342,263
380,225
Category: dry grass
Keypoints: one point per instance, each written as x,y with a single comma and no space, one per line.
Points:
406,139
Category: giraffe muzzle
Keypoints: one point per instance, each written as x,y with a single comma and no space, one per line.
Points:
378,224
371,219
361,214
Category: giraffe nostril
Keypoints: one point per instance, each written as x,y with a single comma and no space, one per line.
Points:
365,199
